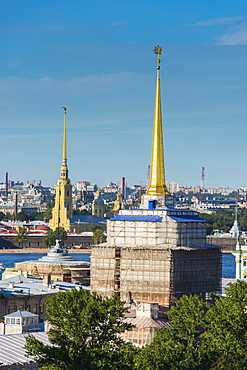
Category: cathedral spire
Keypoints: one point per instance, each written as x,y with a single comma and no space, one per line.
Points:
64,167
157,185
62,211
64,138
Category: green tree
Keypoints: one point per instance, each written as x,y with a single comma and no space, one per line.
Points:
98,236
225,338
52,235
84,334
47,214
82,212
178,347
21,216
21,236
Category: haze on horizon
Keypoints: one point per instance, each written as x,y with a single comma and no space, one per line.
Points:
96,58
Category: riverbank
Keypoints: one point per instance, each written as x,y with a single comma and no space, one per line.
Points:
43,251
71,251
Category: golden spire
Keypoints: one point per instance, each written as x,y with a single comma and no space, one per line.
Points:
64,168
157,185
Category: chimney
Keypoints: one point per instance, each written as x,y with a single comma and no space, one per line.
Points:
16,204
47,279
6,184
123,188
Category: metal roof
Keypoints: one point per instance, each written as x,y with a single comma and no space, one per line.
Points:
11,287
21,313
147,322
11,348
143,218
187,218
228,281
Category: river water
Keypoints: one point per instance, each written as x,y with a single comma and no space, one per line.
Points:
9,259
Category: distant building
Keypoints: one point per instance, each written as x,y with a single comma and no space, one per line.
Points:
24,293
98,206
173,187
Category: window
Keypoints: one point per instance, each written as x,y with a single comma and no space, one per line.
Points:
13,309
28,307
21,307
68,192
12,321
7,320
41,308
7,310
18,321
35,308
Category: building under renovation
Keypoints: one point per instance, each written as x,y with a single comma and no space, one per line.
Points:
156,253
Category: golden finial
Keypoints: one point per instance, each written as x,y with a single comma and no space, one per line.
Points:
158,50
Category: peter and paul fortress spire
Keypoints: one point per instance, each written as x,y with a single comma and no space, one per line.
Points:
64,168
62,211
157,191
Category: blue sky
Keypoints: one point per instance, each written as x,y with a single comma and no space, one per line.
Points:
96,58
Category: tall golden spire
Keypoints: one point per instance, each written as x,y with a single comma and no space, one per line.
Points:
62,211
64,167
157,184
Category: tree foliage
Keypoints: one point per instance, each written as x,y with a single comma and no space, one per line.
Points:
225,337
21,216
2,216
177,347
203,336
52,235
84,334
98,236
82,212
223,219
21,236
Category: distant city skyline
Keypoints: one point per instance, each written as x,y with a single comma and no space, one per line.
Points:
96,58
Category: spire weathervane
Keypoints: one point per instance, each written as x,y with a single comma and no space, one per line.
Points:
157,185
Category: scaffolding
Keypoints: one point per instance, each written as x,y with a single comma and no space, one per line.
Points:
157,274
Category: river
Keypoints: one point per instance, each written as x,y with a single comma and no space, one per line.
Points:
9,259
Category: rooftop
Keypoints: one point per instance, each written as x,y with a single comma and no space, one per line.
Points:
21,313
12,350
